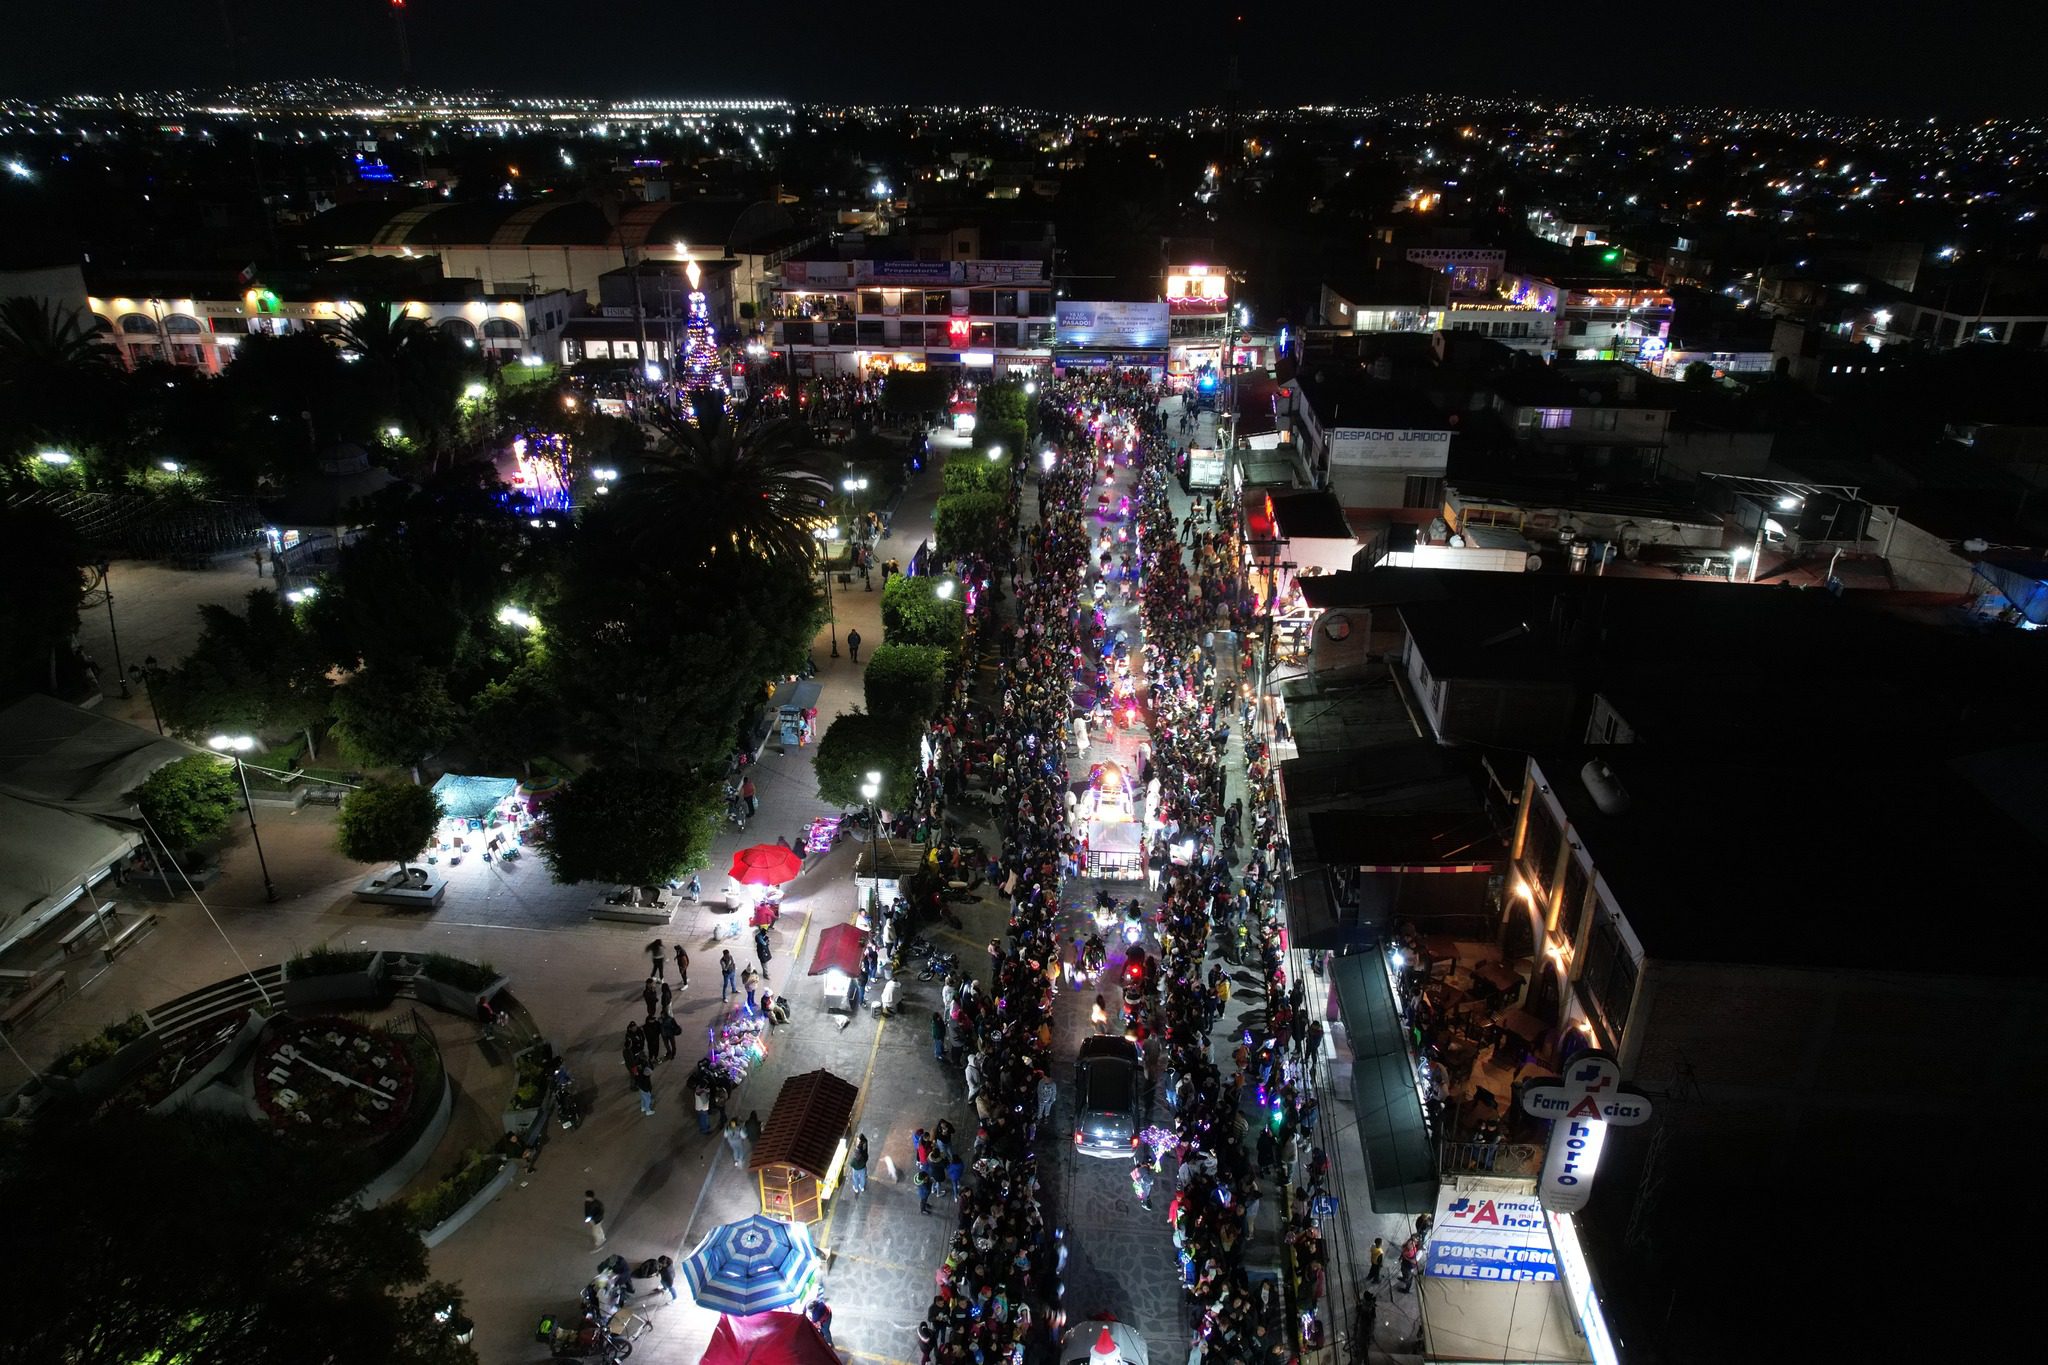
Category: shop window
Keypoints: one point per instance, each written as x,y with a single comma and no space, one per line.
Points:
870,300
1540,844
1554,419
870,333
982,335
1006,335
1607,981
981,302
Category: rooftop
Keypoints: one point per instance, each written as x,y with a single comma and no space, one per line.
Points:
1836,860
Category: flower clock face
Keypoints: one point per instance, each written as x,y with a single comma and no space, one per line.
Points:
333,1079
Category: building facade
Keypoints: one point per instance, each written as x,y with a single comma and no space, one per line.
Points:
850,317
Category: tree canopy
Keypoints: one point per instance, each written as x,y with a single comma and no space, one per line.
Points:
190,801
629,826
657,664
857,744
914,614
396,714
905,680
258,672
387,822
971,524
719,488
205,1240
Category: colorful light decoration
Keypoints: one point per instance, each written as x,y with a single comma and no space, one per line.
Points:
545,471
700,372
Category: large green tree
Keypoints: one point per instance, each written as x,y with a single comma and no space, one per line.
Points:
969,524
913,613
189,801
427,582
905,680
915,393
857,744
387,822
397,713
724,488
258,672
630,826
250,1251
656,662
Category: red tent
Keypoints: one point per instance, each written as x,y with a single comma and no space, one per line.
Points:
839,949
768,1339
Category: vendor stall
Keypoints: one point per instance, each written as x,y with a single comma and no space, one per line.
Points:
802,1150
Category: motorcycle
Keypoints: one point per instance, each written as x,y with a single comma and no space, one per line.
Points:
568,1107
938,967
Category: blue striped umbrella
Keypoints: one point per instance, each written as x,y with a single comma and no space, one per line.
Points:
752,1266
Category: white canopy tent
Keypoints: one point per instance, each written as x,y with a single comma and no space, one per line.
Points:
65,813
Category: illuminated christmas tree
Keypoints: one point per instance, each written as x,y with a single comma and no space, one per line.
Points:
701,371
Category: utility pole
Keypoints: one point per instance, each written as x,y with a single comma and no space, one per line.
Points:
404,51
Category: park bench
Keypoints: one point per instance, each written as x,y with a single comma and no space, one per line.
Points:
99,922
21,1006
126,935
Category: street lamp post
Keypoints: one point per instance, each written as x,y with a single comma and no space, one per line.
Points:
869,791
144,675
233,747
107,592
827,535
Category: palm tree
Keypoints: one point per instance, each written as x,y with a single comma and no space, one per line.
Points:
412,370
724,488
55,373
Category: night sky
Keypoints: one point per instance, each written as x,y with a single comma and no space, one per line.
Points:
1902,57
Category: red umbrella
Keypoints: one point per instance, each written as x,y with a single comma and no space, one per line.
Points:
765,865
768,1339
839,949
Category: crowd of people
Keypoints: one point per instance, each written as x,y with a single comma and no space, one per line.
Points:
1243,1102
1218,880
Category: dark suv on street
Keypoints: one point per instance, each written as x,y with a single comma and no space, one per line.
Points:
1106,1093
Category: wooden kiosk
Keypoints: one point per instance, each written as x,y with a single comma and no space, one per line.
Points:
803,1147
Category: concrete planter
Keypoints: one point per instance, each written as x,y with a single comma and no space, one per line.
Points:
98,1082
454,999
454,1222
396,1176
311,992
287,800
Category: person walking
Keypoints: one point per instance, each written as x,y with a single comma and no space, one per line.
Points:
820,1314
853,645
666,996
747,795
643,1081
858,1164
701,1102
728,976
761,947
752,1126
593,1217
665,1269
955,1168
938,1036
736,1139
1378,1254
670,1031
696,890
924,1190
648,994
657,956
650,1034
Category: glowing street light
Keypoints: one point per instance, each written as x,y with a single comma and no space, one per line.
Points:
54,456
995,453
475,392
1047,459
394,432
300,596
232,747
1737,557
172,467
517,616
945,590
